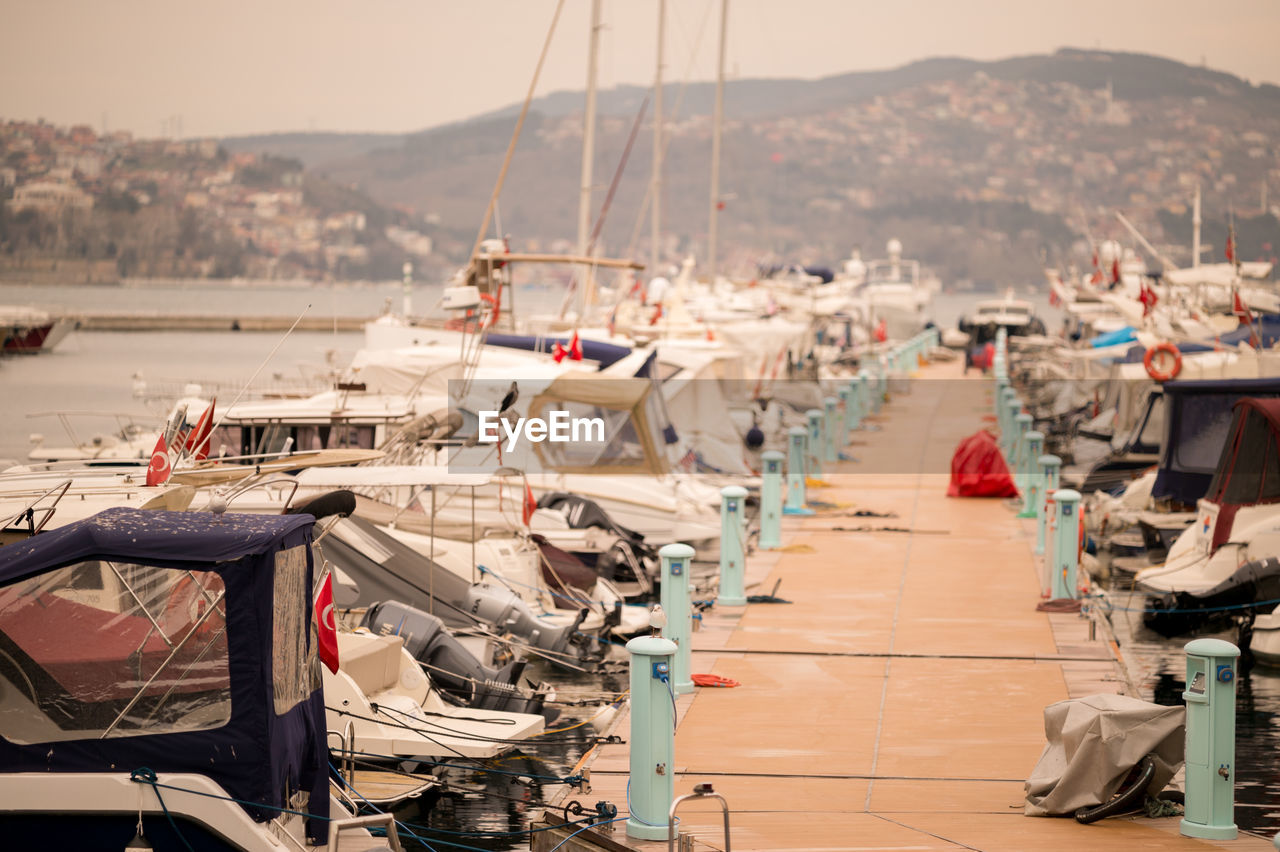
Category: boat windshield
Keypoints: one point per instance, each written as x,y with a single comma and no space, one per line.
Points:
1002,308
618,444
112,649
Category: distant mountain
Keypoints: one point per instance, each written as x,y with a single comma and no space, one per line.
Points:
311,148
1134,76
984,169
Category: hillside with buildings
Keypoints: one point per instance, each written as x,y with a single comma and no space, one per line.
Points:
83,207
985,170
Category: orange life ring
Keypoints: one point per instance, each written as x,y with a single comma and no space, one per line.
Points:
493,314
1165,351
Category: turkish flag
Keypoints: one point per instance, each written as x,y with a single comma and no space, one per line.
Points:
575,348
557,353
158,471
882,331
530,504
326,626
1148,298
1240,309
198,441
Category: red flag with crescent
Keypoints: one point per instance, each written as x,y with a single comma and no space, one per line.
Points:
158,471
198,441
575,348
326,625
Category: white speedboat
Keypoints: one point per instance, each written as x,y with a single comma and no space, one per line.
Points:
382,693
1016,316
896,295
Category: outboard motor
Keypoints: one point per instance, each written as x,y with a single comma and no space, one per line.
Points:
508,612
453,668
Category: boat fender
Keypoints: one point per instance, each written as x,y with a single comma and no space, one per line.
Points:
1170,362
1126,799
1080,534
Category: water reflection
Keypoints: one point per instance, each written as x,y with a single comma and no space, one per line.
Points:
1160,667
490,807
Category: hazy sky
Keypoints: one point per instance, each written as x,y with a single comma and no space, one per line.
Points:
245,66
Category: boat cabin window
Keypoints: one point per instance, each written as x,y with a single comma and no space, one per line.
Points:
276,438
1204,425
996,310
291,621
111,649
1149,436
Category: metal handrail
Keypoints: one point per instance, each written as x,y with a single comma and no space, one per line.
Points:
700,791
388,821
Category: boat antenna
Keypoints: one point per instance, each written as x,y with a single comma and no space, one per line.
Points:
204,443
515,135
1137,235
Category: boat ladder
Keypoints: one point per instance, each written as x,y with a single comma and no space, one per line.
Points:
700,791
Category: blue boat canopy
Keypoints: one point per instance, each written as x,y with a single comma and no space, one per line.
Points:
592,350
177,641
1111,338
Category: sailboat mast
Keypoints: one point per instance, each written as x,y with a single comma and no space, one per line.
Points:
712,228
656,181
588,149
1195,231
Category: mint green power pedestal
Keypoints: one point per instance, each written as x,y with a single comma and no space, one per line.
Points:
1211,739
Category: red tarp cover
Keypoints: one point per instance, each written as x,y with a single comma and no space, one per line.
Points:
978,469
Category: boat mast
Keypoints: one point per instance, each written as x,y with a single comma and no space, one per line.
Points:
655,181
588,151
1195,231
715,146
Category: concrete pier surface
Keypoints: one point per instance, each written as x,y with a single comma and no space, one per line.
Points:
897,702
127,321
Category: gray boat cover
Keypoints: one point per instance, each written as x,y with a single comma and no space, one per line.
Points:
1093,743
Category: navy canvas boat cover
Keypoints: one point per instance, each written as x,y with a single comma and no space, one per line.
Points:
592,350
1198,417
268,746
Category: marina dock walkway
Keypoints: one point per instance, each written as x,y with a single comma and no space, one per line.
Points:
897,702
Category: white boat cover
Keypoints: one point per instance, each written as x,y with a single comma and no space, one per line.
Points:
1093,743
